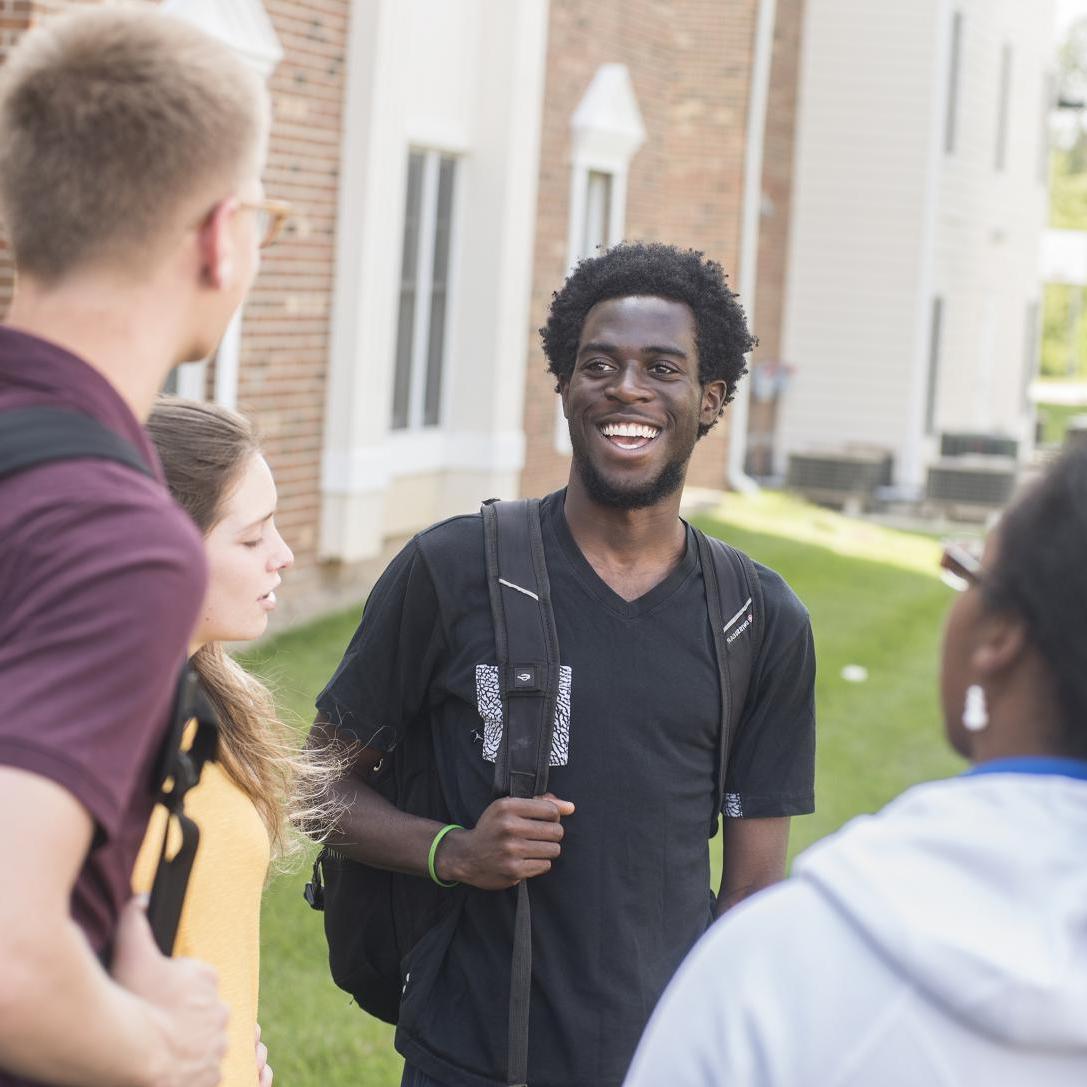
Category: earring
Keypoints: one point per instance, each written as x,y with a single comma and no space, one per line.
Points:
975,716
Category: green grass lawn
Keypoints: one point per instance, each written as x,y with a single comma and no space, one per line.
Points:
874,600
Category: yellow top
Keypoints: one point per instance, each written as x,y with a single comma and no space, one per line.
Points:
220,921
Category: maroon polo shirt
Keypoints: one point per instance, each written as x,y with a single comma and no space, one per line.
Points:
101,578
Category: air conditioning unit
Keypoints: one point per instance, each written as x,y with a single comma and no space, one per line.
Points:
844,477
961,444
971,482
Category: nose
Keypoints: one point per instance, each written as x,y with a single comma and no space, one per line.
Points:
282,556
629,385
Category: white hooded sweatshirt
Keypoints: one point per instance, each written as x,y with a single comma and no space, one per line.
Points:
941,942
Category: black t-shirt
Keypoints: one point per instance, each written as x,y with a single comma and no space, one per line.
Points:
635,750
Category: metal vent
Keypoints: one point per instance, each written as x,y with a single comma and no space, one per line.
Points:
843,476
971,481
961,444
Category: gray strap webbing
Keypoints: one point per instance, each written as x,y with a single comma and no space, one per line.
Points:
731,582
41,435
527,654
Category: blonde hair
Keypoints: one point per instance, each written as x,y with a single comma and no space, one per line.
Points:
204,449
115,124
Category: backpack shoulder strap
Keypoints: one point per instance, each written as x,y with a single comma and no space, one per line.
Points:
178,770
527,653
734,600
526,644
41,435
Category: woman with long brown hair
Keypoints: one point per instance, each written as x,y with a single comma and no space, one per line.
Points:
246,801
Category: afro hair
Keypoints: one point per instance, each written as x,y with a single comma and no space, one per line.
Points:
662,271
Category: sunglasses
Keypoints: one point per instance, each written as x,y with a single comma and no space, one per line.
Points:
960,567
272,217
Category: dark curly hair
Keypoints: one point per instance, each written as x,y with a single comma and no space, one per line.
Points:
1040,576
662,271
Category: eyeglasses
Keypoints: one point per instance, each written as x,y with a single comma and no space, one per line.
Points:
272,216
960,568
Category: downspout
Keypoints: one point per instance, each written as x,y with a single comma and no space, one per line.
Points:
749,228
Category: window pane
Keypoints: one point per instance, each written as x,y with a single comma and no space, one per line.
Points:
933,364
597,212
953,82
439,292
1002,106
408,273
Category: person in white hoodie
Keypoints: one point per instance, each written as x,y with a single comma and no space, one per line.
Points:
943,941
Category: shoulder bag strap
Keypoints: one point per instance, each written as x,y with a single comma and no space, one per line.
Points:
527,655
178,771
735,604
41,435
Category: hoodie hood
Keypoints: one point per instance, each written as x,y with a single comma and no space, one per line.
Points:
975,890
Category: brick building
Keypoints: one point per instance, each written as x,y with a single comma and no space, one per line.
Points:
448,161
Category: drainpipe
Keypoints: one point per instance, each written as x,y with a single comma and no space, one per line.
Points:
749,228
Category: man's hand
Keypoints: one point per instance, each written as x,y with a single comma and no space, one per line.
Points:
513,840
184,995
264,1069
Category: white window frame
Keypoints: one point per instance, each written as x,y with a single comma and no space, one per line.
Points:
246,28
424,282
607,131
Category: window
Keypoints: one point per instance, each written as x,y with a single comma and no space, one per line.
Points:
1002,106
1031,344
424,290
607,131
933,364
598,195
1048,99
953,82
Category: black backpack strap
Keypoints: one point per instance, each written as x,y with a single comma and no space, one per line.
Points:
526,644
40,435
734,600
177,772
527,655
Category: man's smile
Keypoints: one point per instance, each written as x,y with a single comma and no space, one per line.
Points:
629,435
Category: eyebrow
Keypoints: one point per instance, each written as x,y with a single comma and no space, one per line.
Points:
253,524
652,349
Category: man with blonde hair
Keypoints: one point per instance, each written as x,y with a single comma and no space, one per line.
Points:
131,149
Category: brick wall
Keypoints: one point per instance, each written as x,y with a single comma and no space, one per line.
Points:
690,62
285,332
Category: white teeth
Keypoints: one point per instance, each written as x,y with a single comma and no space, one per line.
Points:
270,597
629,430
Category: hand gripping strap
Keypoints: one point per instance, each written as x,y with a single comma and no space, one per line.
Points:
735,604
178,771
527,654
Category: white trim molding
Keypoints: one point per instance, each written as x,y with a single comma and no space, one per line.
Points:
606,132
244,25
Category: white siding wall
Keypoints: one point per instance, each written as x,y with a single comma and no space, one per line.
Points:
885,219
991,221
463,77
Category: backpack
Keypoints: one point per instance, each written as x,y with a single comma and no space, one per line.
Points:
40,435
373,917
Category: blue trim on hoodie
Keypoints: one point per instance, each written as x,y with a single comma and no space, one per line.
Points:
1033,764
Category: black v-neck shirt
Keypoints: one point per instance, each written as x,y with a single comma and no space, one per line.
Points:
634,748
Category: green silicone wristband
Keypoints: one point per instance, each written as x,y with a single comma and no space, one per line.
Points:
433,852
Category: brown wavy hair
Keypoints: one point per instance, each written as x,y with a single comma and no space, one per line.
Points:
204,449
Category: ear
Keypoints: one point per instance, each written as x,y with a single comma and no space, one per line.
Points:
1001,645
564,392
713,400
216,246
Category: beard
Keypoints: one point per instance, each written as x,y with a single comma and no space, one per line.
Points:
636,496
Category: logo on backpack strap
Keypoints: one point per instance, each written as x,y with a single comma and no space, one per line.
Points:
746,614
